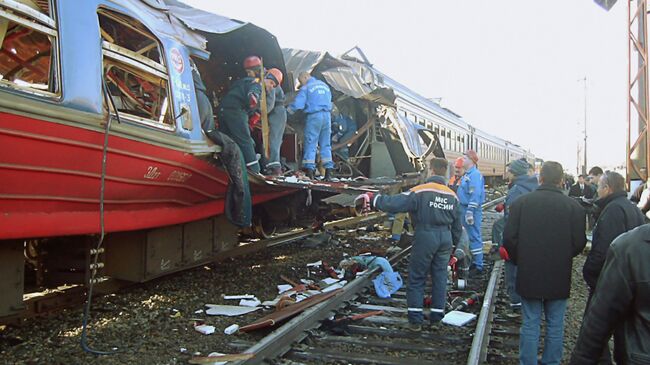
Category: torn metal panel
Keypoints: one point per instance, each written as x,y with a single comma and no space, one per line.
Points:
350,78
418,141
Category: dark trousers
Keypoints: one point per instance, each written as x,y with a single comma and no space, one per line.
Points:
234,123
606,356
431,252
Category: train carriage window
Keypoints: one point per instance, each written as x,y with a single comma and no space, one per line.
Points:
28,47
134,71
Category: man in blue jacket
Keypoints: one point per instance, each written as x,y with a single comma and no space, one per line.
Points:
343,128
436,217
315,99
471,194
522,184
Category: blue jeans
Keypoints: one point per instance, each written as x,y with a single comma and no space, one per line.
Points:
431,252
318,132
474,233
530,330
277,123
511,279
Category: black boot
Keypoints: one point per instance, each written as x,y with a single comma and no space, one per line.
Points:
310,174
328,175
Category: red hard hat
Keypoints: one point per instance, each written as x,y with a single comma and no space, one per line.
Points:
252,62
275,75
458,163
471,154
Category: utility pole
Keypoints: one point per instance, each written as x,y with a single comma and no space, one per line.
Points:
584,166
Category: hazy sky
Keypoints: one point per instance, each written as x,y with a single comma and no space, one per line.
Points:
509,67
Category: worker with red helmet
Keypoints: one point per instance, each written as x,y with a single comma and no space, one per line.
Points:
471,194
253,66
277,119
459,171
239,108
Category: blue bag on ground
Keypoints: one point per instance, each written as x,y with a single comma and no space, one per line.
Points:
387,283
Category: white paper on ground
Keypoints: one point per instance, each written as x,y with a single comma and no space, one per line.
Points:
458,318
237,297
228,310
315,264
283,287
214,354
335,286
250,303
329,281
205,329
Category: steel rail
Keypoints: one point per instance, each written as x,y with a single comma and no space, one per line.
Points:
478,351
280,341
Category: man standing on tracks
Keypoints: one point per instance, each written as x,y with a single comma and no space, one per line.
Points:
471,194
436,216
544,232
617,216
239,109
522,184
315,99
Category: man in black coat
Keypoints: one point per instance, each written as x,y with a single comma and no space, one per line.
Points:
581,189
617,215
545,230
620,304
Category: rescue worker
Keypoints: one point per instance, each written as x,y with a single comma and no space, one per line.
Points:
343,128
277,121
435,211
315,99
239,108
459,171
522,184
253,67
471,194
618,215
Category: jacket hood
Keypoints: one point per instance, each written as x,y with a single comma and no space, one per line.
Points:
528,182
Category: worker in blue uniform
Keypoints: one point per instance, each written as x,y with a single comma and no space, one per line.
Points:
343,128
239,108
471,194
315,99
435,211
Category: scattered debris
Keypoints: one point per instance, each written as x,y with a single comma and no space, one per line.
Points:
228,310
458,318
205,329
216,358
283,288
315,264
199,311
238,297
232,329
250,303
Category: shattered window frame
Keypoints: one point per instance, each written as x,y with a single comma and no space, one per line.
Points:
45,25
141,67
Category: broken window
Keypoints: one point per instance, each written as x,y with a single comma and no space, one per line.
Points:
134,72
28,47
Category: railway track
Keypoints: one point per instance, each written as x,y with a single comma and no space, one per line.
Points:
52,301
314,337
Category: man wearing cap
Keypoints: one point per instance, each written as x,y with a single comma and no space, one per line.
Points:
277,121
315,99
459,171
238,109
471,194
521,184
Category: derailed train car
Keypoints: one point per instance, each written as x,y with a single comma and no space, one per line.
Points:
100,135
433,127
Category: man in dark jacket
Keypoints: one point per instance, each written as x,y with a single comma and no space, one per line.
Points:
620,304
581,189
617,215
545,230
436,216
522,184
